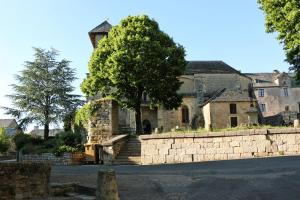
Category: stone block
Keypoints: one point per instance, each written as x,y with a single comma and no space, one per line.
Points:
198,140
198,158
180,152
163,151
292,148
210,151
159,159
238,150
172,152
201,151
232,156
207,140
176,145
217,139
249,149
216,145
209,157
191,150
170,158
234,143
221,156
247,155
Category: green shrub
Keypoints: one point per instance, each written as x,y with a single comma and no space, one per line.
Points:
65,149
69,139
21,140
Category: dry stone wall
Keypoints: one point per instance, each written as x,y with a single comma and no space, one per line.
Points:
197,147
65,159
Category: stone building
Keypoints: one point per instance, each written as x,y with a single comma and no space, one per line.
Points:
211,89
278,96
11,126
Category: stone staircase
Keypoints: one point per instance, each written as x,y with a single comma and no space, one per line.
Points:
130,153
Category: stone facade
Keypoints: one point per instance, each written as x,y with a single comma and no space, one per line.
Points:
278,96
24,180
217,114
197,147
201,81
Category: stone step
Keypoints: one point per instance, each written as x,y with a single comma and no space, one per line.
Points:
126,162
128,157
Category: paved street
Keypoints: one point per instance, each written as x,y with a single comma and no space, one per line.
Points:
254,179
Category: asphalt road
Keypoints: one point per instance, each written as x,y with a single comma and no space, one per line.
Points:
253,179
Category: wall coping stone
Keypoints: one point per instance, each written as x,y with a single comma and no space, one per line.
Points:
114,140
220,134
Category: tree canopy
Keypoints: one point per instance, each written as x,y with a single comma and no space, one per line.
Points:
43,90
136,58
283,16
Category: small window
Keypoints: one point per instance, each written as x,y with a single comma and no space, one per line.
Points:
285,92
286,108
257,81
232,108
262,107
185,114
261,92
233,121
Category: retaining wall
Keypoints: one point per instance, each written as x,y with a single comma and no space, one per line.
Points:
65,159
197,147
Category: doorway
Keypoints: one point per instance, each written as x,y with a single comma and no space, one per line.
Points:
147,126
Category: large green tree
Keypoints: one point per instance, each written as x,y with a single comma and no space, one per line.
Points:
43,90
283,16
136,58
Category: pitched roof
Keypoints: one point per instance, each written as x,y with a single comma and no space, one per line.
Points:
226,95
267,79
209,67
7,123
232,96
104,27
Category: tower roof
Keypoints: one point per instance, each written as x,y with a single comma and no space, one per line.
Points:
103,28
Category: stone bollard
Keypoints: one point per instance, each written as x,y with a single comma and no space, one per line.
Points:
107,188
296,123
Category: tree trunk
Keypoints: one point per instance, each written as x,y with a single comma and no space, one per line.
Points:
46,131
138,121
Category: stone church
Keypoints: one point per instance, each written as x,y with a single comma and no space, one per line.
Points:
215,96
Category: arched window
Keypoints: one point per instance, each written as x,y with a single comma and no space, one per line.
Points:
185,114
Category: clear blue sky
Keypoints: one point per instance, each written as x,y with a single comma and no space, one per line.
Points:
231,30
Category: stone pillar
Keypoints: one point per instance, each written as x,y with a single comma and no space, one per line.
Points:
107,188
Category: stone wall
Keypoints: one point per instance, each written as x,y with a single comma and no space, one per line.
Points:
65,159
104,120
24,180
197,147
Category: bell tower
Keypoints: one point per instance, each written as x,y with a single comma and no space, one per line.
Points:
99,32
